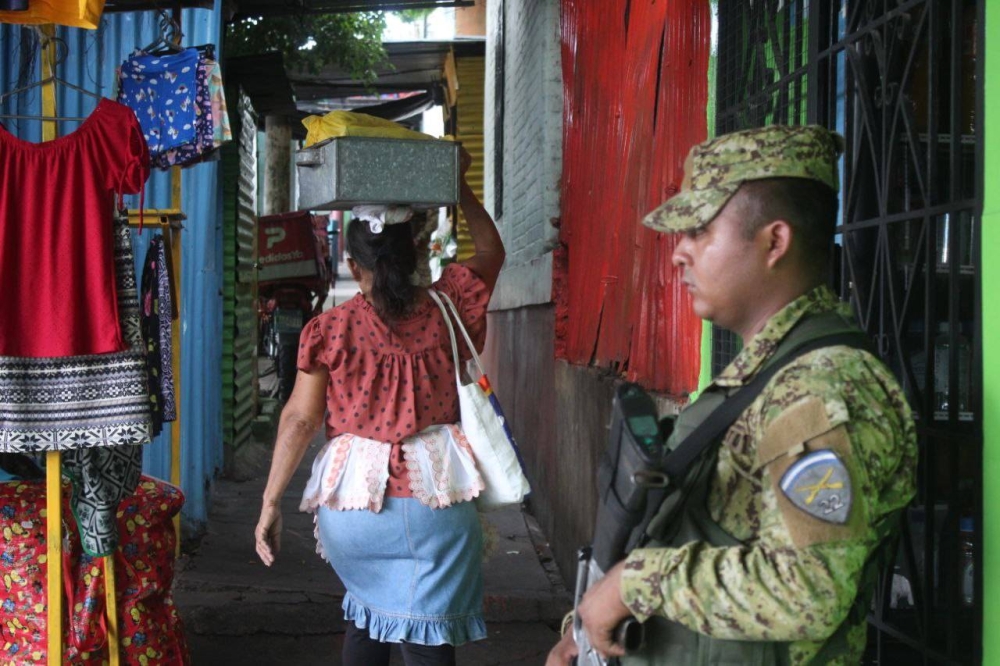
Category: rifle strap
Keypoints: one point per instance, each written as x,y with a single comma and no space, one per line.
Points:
715,425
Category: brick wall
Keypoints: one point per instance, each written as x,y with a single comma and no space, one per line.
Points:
532,145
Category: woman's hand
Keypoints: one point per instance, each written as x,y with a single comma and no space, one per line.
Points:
268,533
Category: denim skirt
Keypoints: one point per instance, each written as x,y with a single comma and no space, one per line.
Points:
413,574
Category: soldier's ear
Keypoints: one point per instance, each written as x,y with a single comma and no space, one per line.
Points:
776,237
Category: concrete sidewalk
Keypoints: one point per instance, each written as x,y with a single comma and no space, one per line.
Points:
237,611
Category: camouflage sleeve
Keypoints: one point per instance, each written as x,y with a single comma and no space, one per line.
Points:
750,593
797,576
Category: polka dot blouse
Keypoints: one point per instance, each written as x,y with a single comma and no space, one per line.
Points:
389,383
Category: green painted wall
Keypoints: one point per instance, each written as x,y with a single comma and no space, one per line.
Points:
991,339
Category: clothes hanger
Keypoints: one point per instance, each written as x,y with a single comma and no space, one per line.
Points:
169,38
45,41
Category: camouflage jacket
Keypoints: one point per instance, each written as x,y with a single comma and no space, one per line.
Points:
795,577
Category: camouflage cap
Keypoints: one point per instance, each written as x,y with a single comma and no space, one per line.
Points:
714,170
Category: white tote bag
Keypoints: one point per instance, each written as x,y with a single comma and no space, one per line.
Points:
484,425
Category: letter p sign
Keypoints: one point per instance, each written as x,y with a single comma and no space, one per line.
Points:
274,236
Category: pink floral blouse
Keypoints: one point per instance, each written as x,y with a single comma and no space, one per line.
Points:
387,384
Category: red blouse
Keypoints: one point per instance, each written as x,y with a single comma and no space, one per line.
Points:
389,383
56,242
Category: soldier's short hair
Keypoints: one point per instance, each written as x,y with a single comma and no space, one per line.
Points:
809,206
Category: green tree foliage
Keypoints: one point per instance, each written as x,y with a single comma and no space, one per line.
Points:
310,41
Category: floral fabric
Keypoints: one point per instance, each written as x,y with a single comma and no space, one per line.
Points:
149,626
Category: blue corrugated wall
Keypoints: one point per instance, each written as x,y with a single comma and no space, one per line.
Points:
92,58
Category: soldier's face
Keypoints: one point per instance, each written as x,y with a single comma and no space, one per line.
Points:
722,270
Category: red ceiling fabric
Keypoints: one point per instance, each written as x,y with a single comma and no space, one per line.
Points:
635,78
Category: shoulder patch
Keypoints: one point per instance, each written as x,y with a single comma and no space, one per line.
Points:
819,484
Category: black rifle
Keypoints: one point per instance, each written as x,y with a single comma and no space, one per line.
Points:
629,468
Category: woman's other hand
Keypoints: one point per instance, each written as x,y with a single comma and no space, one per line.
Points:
268,534
301,418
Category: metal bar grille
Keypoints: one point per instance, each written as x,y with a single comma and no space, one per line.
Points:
899,80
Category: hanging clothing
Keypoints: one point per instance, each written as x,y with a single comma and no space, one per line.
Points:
180,102
220,112
60,404
101,478
74,13
163,90
149,627
156,317
203,140
165,288
56,208
93,408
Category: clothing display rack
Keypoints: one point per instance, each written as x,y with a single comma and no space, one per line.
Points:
169,222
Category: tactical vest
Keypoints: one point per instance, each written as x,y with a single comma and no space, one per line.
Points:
683,517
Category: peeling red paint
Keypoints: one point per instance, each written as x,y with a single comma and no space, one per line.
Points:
635,93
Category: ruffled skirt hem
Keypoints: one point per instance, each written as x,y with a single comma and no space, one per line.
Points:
439,630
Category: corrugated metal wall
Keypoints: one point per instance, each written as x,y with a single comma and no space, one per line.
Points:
629,121
239,361
92,56
471,80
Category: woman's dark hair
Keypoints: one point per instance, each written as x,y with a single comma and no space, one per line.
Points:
392,258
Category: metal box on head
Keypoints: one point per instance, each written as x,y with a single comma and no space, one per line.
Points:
348,171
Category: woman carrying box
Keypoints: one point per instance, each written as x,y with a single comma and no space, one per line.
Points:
392,488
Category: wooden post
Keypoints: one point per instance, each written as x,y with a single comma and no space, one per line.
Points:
111,610
53,461
174,238
277,158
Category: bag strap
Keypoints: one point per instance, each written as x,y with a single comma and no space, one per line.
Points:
438,296
451,331
718,422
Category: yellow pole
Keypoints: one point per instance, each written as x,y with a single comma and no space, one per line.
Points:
53,539
111,609
53,462
174,239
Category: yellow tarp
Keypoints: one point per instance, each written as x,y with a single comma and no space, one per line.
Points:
349,123
75,13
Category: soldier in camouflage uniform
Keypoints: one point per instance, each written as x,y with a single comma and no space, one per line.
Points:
768,552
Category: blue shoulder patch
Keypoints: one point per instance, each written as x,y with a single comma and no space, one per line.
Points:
820,485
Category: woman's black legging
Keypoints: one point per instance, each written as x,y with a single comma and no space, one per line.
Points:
360,649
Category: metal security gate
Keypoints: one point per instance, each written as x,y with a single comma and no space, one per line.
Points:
239,366
901,79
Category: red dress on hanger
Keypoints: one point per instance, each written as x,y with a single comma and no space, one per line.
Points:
57,198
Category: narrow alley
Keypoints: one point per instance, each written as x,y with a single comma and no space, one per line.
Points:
236,610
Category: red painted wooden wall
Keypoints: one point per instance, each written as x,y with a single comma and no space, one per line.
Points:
635,78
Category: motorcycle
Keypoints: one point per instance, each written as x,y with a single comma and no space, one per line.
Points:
293,280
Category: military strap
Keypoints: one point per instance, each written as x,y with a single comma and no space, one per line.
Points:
711,429
679,461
